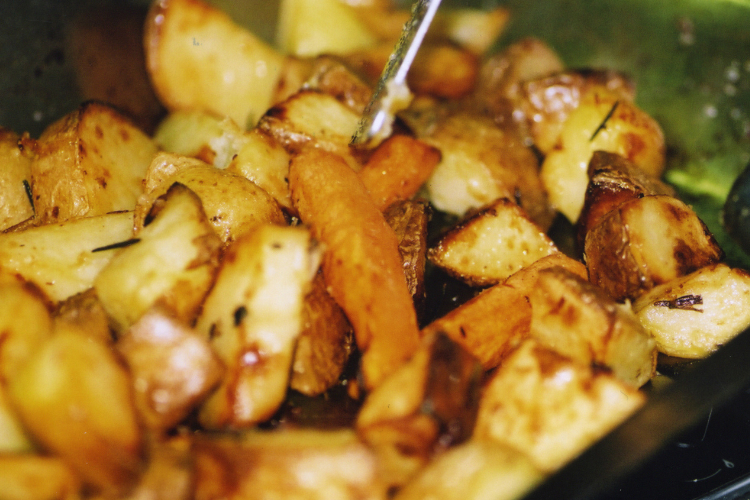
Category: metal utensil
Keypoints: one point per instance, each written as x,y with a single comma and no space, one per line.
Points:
391,89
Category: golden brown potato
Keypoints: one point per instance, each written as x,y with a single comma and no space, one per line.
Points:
172,368
428,74
603,121
646,242
74,398
361,264
429,403
397,169
525,279
332,76
576,319
90,162
315,465
13,437
475,469
549,407
480,163
693,315
198,58
83,313
34,477
193,133
491,244
64,259
473,29
409,220
172,262
233,204
324,344
311,117
16,203
170,472
253,317
613,180
546,102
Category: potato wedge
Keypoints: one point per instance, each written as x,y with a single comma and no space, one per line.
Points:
198,58
397,169
549,407
173,368
90,162
253,317
361,263
61,259
646,242
172,262
602,121
613,180
74,398
491,244
233,204
324,344
693,315
475,469
576,319
16,203
35,477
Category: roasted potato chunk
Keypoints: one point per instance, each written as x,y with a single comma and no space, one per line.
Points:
693,315
602,121
90,162
64,259
576,319
172,262
549,407
83,313
491,244
13,437
172,367
324,344
16,202
198,58
253,317
34,477
646,242
83,390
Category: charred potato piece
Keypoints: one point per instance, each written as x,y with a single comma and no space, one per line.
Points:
233,204
693,315
35,477
427,404
74,398
64,259
475,469
603,121
253,317
172,262
551,408
491,244
613,180
576,319
324,344
90,162
409,221
646,242
480,163
547,102
173,368
16,202
198,58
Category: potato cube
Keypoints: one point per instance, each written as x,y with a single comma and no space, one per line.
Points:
173,368
491,244
90,162
74,398
693,315
646,242
253,317
64,259
550,407
16,203
172,262
576,319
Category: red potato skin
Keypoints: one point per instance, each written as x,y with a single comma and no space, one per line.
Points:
361,264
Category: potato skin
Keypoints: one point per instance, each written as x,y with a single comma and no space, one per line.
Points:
15,204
